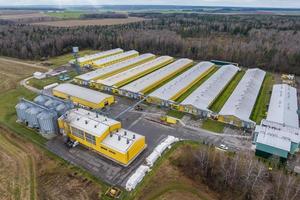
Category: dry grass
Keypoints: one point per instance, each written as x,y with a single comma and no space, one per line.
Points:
27,173
12,71
16,16
91,22
169,183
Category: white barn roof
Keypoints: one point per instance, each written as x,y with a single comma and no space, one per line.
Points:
114,67
150,79
169,90
81,92
284,105
276,135
100,54
113,80
203,96
114,57
89,122
121,140
243,98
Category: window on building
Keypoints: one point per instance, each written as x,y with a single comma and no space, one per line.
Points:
78,133
90,138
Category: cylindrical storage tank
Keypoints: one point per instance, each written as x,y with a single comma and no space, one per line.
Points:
31,116
21,110
60,109
40,99
46,122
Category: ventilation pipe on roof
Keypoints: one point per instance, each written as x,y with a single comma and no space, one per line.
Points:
110,134
95,126
125,132
133,136
119,137
127,141
86,122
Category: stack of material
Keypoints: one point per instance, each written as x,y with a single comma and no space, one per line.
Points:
137,177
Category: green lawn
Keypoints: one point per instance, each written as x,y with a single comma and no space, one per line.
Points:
195,86
260,108
8,101
225,94
66,14
175,113
213,125
40,84
64,59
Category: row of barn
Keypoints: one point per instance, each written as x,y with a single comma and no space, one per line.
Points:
162,80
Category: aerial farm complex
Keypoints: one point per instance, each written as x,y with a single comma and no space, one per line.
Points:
80,110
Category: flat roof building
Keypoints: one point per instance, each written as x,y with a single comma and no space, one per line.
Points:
169,92
283,106
141,86
102,73
114,59
272,138
88,59
239,106
132,74
102,134
83,96
200,100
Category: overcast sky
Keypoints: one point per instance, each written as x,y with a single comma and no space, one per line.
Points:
249,3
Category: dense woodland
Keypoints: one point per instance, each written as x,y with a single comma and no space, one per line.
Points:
238,177
106,15
266,41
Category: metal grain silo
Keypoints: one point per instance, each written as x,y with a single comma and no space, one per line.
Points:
46,122
40,99
21,110
31,116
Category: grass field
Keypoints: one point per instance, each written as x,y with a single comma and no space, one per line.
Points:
195,86
225,94
260,108
175,113
66,14
162,182
213,125
89,22
28,171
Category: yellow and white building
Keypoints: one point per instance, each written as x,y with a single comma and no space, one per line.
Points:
140,87
102,135
118,80
88,59
114,59
105,72
168,93
83,96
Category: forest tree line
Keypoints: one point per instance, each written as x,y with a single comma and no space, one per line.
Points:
265,41
239,176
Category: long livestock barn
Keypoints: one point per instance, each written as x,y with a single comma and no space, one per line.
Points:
138,88
114,59
279,134
168,93
284,106
238,107
83,96
87,60
199,101
102,73
132,74
102,134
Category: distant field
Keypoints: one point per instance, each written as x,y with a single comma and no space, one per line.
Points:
92,22
22,16
66,14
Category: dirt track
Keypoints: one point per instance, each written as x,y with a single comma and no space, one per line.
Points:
27,173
